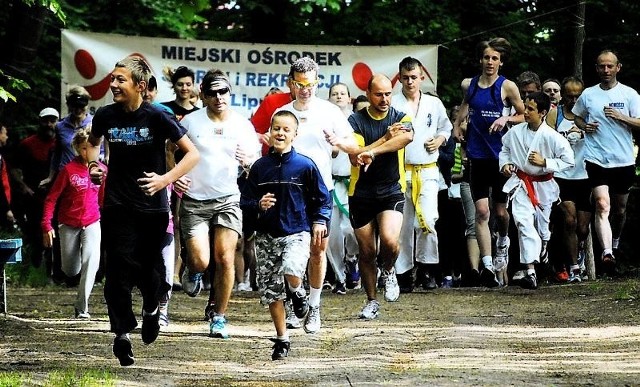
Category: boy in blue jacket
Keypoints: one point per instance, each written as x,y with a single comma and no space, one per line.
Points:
287,203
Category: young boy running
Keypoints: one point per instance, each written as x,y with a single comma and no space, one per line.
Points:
531,152
289,204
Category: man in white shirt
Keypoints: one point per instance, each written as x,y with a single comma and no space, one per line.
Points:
608,113
226,141
318,120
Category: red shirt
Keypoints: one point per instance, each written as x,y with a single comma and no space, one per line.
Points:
261,120
79,199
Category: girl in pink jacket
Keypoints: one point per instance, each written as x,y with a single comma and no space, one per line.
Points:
78,201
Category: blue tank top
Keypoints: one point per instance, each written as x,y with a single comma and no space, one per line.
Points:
485,106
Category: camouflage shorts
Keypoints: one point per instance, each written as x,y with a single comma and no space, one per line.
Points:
276,257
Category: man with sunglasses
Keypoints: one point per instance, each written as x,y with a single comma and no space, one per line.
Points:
210,212
318,118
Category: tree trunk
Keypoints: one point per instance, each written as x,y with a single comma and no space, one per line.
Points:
579,38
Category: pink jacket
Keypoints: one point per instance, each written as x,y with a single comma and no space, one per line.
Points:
79,199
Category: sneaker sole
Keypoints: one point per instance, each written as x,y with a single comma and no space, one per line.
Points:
193,294
311,331
488,279
218,335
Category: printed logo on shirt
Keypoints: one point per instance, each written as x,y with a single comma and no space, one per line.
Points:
131,135
79,182
218,131
616,105
489,113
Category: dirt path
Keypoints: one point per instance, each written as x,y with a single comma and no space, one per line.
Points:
559,335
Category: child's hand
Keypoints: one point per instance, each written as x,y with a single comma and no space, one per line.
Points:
267,201
536,159
318,232
151,183
508,170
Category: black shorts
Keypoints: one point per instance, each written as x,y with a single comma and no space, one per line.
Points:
485,178
618,179
364,210
576,191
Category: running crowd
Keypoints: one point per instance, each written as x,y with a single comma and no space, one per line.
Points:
190,195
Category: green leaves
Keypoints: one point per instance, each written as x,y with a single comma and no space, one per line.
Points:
12,84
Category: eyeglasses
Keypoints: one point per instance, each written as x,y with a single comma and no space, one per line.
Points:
216,93
302,85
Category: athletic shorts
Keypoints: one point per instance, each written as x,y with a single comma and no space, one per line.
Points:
618,179
485,179
364,210
197,216
576,191
276,257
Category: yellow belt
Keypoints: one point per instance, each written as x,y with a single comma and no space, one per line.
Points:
416,187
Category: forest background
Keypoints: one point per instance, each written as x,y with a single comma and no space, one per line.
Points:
553,38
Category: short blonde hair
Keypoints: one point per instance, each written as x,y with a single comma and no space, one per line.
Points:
80,137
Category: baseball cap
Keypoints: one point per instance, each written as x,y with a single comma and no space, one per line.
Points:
46,112
77,100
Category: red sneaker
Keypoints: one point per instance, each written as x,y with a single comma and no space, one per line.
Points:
562,276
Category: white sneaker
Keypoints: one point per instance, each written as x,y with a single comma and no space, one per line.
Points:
391,288
370,311
312,321
293,322
244,287
500,262
518,275
191,283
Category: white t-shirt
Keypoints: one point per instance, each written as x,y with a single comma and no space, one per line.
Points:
612,144
320,116
578,171
215,175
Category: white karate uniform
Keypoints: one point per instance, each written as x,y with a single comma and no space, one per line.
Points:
533,221
430,121
342,239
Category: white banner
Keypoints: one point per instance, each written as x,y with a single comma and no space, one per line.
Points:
88,59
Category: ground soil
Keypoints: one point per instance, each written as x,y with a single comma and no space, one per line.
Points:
584,334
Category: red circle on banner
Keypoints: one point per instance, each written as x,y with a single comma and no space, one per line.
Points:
85,64
361,74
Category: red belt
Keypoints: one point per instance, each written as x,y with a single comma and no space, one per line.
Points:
528,183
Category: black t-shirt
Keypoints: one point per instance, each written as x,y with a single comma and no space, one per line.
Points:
178,110
136,145
383,175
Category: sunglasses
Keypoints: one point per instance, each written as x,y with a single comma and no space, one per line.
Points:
302,85
216,93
